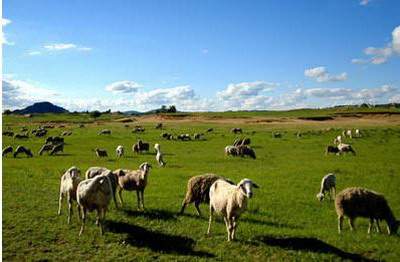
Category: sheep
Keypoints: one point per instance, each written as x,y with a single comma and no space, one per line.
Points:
184,137
8,133
345,148
246,151
94,171
236,130
328,184
198,190
357,133
140,146
276,135
332,149
68,185
7,150
21,136
81,125
159,126
243,141
167,136
41,133
94,194
356,202
138,129
134,180
197,136
105,132
119,151
159,156
337,140
210,130
45,148
100,152
54,140
22,149
231,150
57,148
230,201
348,133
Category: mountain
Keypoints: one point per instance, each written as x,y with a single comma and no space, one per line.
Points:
41,107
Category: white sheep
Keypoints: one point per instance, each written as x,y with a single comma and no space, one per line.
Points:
159,156
337,140
229,201
345,148
68,185
357,133
349,134
231,150
119,151
94,171
328,185
94,194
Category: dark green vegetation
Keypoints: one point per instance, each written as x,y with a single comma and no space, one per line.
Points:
284,219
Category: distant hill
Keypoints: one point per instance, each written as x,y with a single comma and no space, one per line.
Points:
41,107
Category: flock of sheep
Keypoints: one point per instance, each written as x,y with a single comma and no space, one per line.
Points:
224,197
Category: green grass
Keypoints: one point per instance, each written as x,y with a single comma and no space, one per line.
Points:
284,220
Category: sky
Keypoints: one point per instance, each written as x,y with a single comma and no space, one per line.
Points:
200,55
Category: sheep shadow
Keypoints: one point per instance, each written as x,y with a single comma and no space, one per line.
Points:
156,241
308,244
269,223
152,214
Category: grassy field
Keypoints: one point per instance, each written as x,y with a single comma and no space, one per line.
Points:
284,220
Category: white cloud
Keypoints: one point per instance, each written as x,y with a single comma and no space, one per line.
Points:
365,2
245,89
3,39
395,99
380,55
33,53
165,96
65,46
320,74
123,87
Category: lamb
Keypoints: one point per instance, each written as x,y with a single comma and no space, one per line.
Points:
94,194
159,156
68,185
332,149
140,147
101,152
231,150
45,148
134,180
57,148
198,190
22,149
236,130
356,202
7,150
328,184
337,140
105,132
246,151
345,148
119,151
230,201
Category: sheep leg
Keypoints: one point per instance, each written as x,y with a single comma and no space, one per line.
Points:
378,228
340,224
79,211
138,199
69,208
142,198
196,204
83,221
371,222
183,207
351,223
210,220
234,225
228,228
60,203
120,196
334,192
102,214
98,215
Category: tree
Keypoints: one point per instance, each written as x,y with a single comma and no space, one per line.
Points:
7,112
172,109
95,114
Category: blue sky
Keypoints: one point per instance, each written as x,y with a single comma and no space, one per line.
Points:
200,55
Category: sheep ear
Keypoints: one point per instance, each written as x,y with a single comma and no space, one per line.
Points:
255,185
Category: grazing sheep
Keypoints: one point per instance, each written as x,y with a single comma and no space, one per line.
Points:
236,130
246,151
231,150
7,150
159,126
332,149
45,148
159,156
198,190
94,194
119,151
22,149
101,152
8,133
328,185
21,136
105,132
357,133
345,148
133,180
184,137
68,185
197,136
54,140
57,148
337,140
167,136
138,129
140,146
230,201
356,202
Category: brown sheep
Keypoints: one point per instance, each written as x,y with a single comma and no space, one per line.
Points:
198,189
356,202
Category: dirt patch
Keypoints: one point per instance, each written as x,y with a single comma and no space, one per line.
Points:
317,118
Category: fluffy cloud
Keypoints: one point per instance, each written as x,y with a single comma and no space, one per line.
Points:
3,39
245,89
164,96
123,87
380,55
320,74
365,2
64,46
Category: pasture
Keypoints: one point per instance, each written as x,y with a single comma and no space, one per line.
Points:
284,220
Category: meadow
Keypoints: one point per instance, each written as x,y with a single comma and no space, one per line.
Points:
284,220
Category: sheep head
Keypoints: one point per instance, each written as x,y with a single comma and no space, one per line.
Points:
320,196
145,166
246,186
